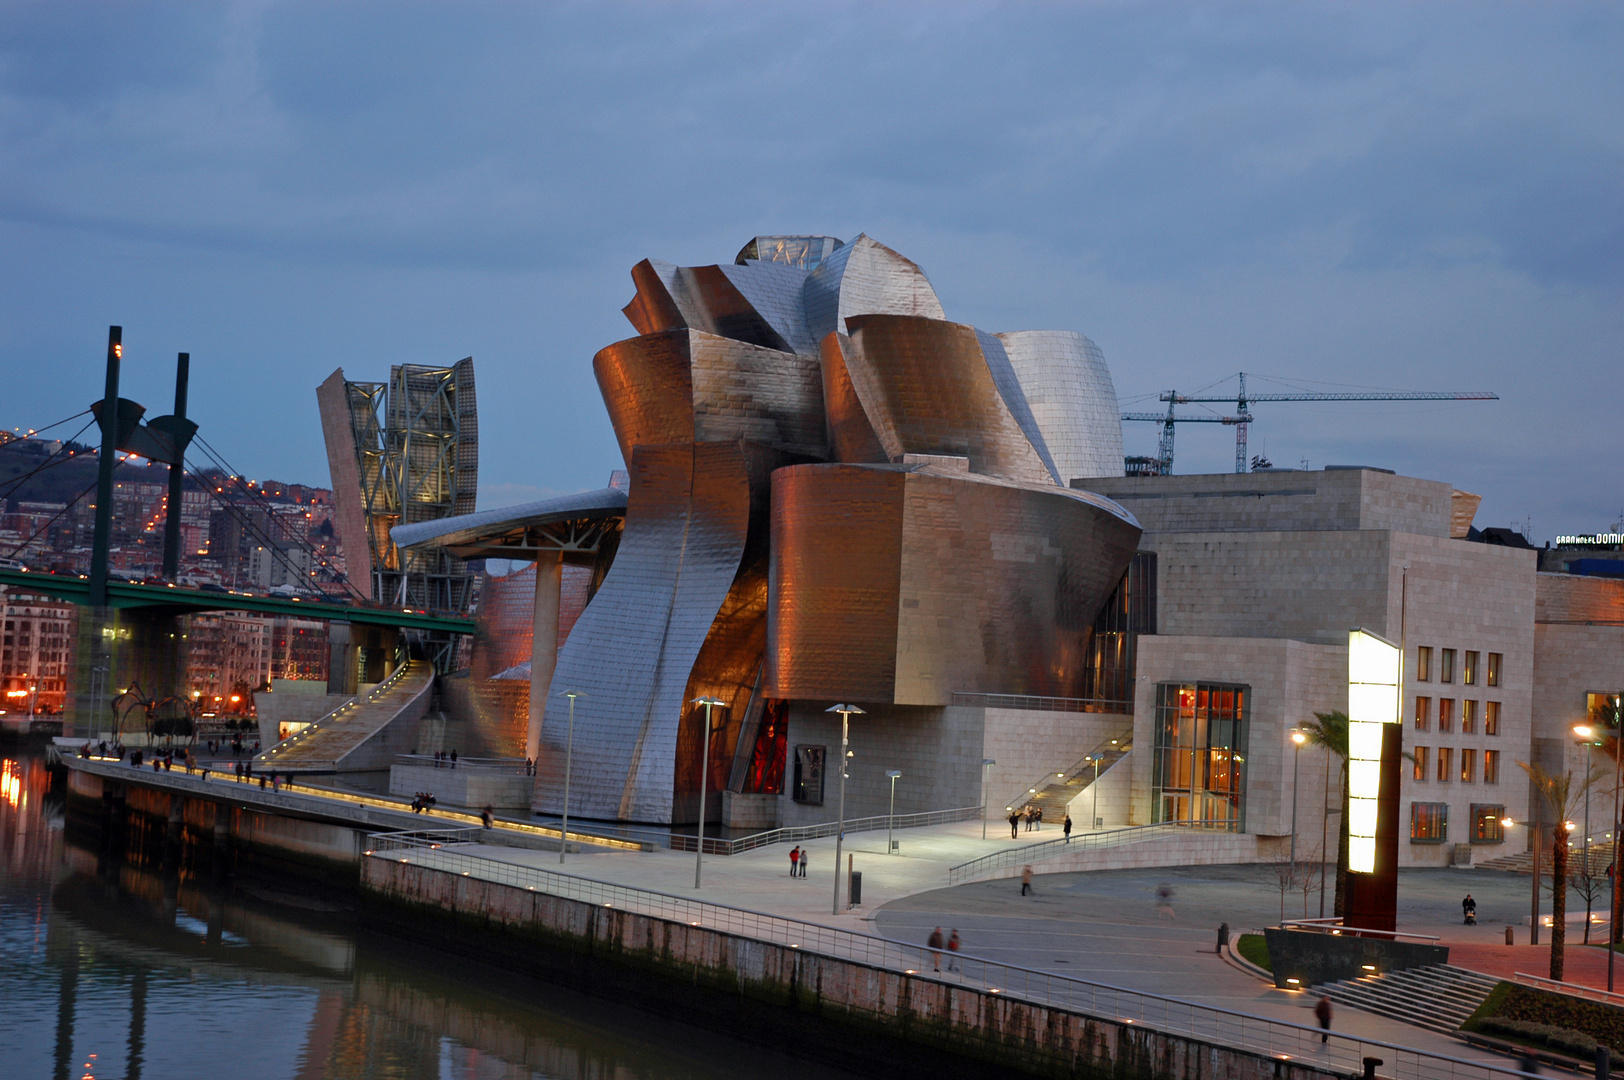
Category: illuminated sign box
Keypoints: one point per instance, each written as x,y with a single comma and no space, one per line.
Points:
1374,669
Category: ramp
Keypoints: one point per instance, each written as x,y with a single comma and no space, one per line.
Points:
364,733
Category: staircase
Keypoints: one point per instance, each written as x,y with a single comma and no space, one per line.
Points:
1601,856
365,732
1437,997
1055,793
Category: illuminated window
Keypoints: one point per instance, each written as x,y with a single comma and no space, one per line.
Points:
1491,718
1486,827
1198,768
1423,663
1420,753
1423,714
1494,669
1446,714
1491,766
1469,669
1429,822
1446,665
808,778
1468,765
1445,764
1468,717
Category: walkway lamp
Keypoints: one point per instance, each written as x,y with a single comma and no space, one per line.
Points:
569,757
704,782
986,772
1094,810
846,712
1298,738
890,845
1595,737
1533,831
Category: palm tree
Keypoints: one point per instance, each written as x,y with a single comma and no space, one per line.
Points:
1561,795
1330,730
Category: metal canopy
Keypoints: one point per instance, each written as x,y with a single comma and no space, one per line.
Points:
570,523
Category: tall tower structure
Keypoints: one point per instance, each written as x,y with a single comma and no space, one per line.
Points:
402,452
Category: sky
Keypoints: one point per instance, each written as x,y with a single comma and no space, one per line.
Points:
1329,197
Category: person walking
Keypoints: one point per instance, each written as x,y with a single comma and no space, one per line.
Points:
1468,910
1037,819
1164,902
1066,828
485,818
1014,824
794,860
1322,1012
953,950
806,860
1026,879
453,759
934,944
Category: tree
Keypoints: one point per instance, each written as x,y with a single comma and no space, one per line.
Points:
1305,879
1563,797
1330,730
1588,882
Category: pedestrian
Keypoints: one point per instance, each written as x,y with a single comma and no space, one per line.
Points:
485,818
953,950
453,759
1528,1064
1026,879
1468,910
529,767
934,944
1037,819
1066,828
1164,901
1014,824
806,860
1323,1012
794,859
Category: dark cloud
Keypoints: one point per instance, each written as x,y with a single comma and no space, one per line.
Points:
1404,195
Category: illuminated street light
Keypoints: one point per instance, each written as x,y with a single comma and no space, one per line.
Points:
704,782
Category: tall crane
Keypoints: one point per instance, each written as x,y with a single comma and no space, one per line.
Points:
1162,463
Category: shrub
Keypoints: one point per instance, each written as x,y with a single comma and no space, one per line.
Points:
1562,1040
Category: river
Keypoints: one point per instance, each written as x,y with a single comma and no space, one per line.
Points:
113,969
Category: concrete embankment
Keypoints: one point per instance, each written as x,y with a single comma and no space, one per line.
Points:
870,1019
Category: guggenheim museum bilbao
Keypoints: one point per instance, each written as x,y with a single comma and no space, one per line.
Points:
834,494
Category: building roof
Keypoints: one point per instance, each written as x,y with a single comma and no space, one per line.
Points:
496,533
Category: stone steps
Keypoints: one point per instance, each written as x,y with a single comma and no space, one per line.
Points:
336,735
1438,997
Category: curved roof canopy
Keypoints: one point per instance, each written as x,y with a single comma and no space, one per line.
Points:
568,523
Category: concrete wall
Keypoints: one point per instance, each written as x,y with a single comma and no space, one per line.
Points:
1192,849
1031,746
1111,798
299,706
887,1019
466,787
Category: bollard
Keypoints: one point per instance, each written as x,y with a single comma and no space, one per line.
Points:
1223,937
1509,939
1370,1067
1604,1061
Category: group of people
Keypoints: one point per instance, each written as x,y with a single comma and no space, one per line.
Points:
443,758
798,860
1031,815
423,801
935,943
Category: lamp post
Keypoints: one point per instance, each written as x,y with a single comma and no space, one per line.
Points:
986,773
1094,808
890,846
569,758
846,712
704,782
1297,738
1534,829
1588,731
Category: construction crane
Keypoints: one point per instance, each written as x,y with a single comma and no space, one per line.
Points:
1162,463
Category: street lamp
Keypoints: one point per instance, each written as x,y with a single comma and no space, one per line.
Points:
1094,808
986,773
1587,731
846,712
704,782
890,846
1298,738
569,759
1533,829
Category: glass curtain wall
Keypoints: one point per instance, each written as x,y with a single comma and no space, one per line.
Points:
1200,760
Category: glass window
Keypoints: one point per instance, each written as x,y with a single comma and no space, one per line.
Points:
1491,718
1494,669
1468,717
1446,714
1468,673
1602,708
1420,753
1446,665
1198,769
1445,764
1468,765
1423,663
1486,827
809,774
1491,766
1429,822
1423,714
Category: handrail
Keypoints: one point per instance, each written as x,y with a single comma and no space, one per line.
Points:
1591,993
1280,1039
1123,743
791,833
1334,926
478,764
1044,849
357,701
1037,703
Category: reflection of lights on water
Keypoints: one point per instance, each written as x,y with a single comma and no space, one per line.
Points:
11,782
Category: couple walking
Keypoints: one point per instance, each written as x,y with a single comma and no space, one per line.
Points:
934,944
798,860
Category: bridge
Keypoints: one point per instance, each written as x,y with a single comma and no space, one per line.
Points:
127,594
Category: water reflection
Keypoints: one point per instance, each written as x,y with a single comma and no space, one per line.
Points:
115,968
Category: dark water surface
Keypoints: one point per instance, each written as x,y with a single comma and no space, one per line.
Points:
113,968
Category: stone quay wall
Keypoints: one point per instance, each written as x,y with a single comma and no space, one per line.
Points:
872,1019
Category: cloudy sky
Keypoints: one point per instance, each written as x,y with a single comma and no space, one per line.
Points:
1329,196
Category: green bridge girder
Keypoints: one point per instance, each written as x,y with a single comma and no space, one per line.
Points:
124,594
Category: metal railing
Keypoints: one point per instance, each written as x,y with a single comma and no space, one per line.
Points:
1278,1039
1591,993
1033,703
478,764
1089,841
1120,746
797,833
315,726
1334,925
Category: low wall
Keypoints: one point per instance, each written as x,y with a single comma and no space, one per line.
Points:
1312,958
749,811
893,1023
464,787
1192,849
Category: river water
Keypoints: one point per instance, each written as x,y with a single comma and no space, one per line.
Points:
114,969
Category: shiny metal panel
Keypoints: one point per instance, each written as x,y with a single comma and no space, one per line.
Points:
925,386
776,291
1069,390
851,435
653,309
646,388
866,277
633,650
1015,399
